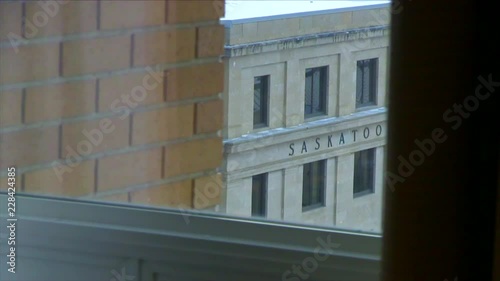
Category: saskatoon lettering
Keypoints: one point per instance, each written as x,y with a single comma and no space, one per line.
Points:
329,140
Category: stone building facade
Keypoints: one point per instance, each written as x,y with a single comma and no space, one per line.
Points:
305,107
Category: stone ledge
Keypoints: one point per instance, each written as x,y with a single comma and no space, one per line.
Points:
305,41
318,127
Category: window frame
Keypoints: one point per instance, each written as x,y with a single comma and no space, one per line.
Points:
263,178
373,81
264,114
323,95
373,154
68,223
322,189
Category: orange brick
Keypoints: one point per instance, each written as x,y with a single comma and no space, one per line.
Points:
17,183
210,41
28,63
29,147
89,137
129,169
209,116
207,191
193,11
128,89
127,14
10,20
177,194
219,6
209,81
194,156
96,55
163,124
120,197
60,101
164,46
62,179
10,108
48,18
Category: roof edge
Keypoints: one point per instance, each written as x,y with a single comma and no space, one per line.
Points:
229,23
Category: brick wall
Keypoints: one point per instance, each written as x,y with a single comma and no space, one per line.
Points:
113,100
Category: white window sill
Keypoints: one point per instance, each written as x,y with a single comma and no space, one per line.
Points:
175,244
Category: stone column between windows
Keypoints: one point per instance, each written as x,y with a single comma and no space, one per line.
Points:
292,193
238,197
275,194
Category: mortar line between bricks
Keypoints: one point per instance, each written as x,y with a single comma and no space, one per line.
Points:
98,15
23,106
165,86
61,58
132,49
97,95
107,114
23,182
163,158
107,74
102,34
23,21
127,149
192,193
131,128
142,186
96,175
195,118
166,17
59,139
197,40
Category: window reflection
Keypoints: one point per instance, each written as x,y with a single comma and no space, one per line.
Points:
366,82
364,171
259,195
316,91
260,101
313,187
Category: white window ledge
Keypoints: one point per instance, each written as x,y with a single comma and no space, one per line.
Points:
64,239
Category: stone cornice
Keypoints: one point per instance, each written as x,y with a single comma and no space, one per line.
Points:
305,41
284,147
283,135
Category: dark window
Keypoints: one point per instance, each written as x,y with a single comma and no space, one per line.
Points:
366,82
313,187
260,100
316,91
259,194
364,172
